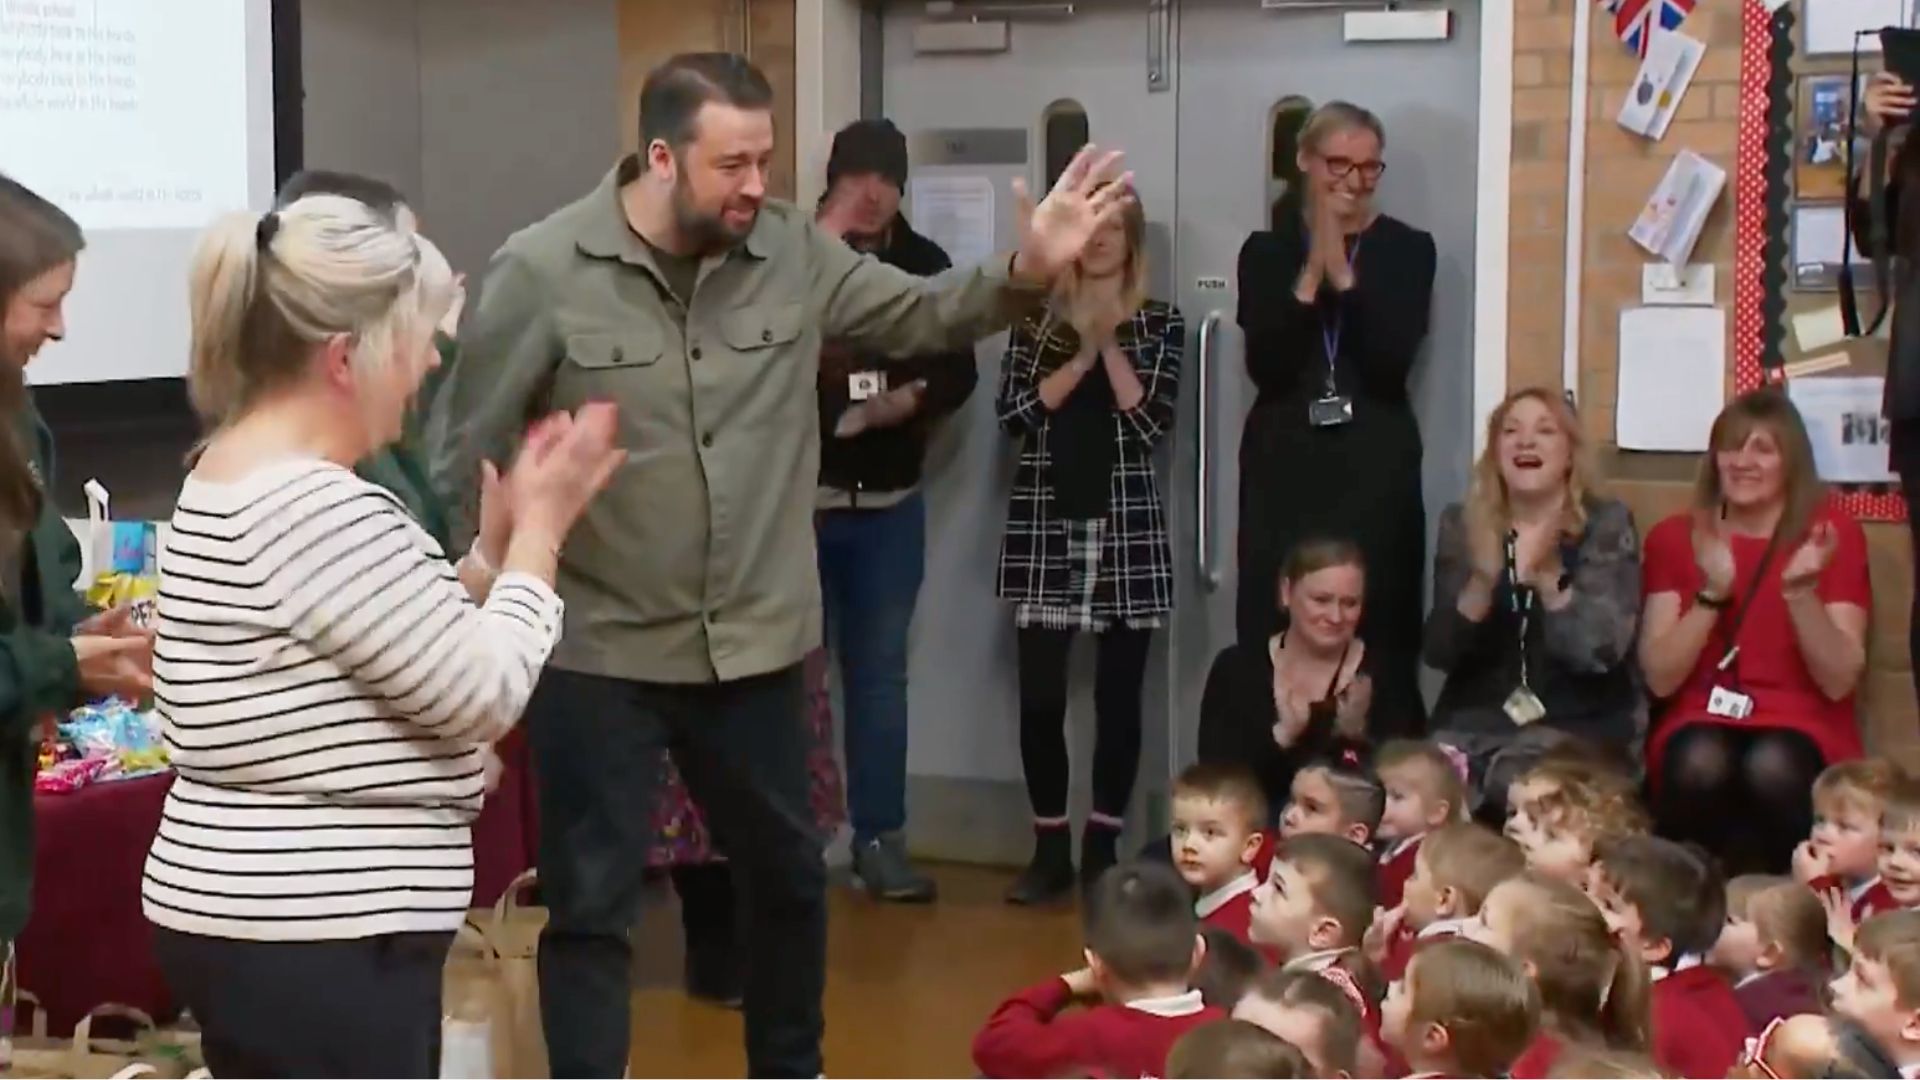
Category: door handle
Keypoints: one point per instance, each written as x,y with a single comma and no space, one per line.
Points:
1208,565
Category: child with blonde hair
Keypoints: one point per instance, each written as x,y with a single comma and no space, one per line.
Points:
1593,990
1772,947
1896,882
1463,1009
1560,810
1458,865
1880,990
1839,860
1316,1014
1425,789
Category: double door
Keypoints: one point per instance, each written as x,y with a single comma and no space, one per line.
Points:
1204,96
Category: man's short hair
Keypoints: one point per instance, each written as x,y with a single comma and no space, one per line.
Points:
374,193
674,92
1140,923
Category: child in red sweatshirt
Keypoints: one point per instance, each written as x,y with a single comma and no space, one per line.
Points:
1668,902
1773,948
1895,885
1219,823
1424,792
1457,866
1143,944
1464,1009
1839,861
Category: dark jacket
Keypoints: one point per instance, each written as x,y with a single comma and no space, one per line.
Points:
1902,401
1581,660
890,459
39,676
403,467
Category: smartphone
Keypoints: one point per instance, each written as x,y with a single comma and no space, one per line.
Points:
1900,49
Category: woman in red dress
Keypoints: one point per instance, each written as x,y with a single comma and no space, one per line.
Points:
1753,634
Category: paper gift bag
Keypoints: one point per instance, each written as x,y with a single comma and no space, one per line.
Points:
491,993
90,1057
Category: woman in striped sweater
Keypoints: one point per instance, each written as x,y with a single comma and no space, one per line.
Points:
329,684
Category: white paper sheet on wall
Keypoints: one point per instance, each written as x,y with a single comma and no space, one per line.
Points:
1673,377
955,212
1672,58
1832,24
1843,419
1670,223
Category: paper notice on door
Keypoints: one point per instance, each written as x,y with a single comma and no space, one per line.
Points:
1670,223
1673,377
1843,420
1672,58
955,212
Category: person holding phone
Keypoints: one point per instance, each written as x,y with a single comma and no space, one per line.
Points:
1335,305
1753,638
1887,107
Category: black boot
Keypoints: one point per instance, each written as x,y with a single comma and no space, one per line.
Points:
1049,877
1099,850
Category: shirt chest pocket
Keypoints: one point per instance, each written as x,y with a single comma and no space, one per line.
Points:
751,330
609,355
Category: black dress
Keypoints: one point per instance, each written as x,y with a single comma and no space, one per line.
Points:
1238,714
1359,480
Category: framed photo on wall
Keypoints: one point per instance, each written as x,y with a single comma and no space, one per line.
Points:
1815,242
1820,137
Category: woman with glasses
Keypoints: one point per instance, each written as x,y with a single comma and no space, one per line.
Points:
1334,303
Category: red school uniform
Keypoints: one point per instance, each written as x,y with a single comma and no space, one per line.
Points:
1538,1060
1869,898
1396,866
1230,907
1777,995
1400,949
1699,1027
1770,667
1028,1035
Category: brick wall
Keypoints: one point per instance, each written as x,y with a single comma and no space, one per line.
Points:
1621,170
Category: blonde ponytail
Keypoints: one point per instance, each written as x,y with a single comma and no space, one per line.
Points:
220,292
266,290
1626,1015
1591,990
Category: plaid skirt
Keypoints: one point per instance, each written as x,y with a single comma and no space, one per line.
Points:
680,836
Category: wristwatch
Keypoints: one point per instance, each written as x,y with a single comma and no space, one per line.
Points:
1711,602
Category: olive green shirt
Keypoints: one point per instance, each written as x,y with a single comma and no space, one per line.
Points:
403,468
697,563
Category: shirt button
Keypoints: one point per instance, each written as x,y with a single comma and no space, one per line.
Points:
696,352
707,439
766,336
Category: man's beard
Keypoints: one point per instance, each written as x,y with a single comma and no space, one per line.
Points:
707,232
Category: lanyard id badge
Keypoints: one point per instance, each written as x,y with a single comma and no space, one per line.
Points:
1523,706
1728,700
1333,408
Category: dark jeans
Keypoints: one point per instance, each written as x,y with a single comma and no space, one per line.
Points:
367,1007
742,748
1744,794
1120,669
871,565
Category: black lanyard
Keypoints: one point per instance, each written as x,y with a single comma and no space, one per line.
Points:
1519,599
1730,632
1331,331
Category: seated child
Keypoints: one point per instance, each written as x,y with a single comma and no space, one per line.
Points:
1315,1014
1143,944
1813,1046
1593,990
1668,902
1896,882
1559,810
1219,820
1600,1063
1842,854
1464,1009
1235,1050
1338,795
1229,969
1773,948
1424,791
1312,914
1457,867
1880,990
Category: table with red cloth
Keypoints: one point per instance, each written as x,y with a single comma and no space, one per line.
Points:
87,942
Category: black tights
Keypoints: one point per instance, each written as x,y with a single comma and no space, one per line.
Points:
1120,670
1744,794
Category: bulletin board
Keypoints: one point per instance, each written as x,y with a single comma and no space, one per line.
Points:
1789,101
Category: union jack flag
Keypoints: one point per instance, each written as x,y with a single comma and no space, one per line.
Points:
1634,20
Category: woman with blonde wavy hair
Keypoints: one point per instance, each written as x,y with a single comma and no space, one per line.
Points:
329,684
1536,594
